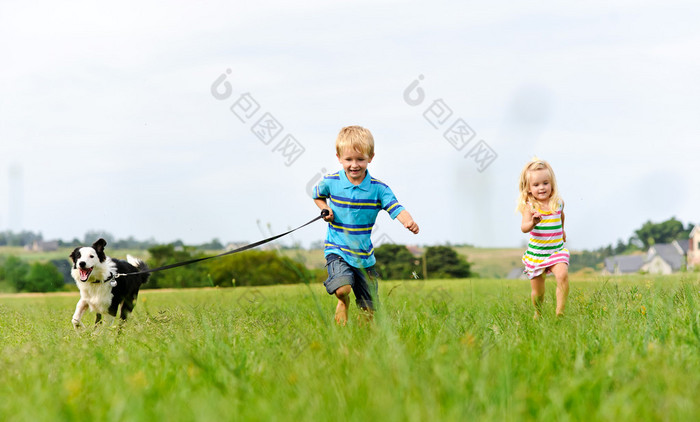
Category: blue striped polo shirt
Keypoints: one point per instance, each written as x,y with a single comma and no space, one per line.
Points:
355,209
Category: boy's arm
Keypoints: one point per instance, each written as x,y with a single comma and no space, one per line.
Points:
407,221
321,203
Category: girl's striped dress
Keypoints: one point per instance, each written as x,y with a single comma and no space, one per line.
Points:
546,245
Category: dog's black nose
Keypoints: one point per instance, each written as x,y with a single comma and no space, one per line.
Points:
82,264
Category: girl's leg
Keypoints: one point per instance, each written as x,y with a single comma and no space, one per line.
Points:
537,294
561,272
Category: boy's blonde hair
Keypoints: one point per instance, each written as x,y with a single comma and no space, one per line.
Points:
525,199
356,138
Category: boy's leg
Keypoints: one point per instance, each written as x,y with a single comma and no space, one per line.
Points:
339,283
537,295
366,288
341,309
561,272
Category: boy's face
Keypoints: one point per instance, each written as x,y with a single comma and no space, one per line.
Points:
355,164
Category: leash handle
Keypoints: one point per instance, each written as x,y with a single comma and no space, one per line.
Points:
324,213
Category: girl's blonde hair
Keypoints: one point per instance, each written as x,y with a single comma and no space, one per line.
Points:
355,138
525,199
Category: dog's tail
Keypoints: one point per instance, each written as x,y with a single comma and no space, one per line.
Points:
139,264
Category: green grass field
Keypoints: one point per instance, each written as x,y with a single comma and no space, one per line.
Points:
628,349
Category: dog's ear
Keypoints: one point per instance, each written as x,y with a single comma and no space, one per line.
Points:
99,247
75,255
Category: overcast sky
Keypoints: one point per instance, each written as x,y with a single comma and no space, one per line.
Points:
194,121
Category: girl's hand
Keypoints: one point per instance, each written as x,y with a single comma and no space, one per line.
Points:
530,219
536,218
563,233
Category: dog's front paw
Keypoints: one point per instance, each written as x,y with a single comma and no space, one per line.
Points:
76,323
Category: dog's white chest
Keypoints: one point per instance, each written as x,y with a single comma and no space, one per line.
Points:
97,295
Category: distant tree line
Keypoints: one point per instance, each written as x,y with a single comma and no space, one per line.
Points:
648,235
265,267
396,262
25,277
27,238
260,267
23,238
250,268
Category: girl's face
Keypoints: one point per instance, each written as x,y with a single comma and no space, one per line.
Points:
355,165
540,184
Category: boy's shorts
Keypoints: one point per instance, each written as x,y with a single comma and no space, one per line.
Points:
364,281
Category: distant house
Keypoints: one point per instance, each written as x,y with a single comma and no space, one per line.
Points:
664,258
623,264
41,246
693,256
683,245
415,250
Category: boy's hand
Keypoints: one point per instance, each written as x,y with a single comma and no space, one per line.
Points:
407,221
329,217
412,226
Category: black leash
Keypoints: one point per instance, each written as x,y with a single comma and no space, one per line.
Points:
241,249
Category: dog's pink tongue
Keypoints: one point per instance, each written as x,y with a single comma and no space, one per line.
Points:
84,274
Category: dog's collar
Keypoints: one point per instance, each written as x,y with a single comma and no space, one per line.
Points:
110,278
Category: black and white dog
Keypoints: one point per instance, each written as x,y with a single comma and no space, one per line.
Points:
94,273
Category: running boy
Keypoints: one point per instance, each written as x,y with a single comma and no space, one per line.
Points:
355,199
